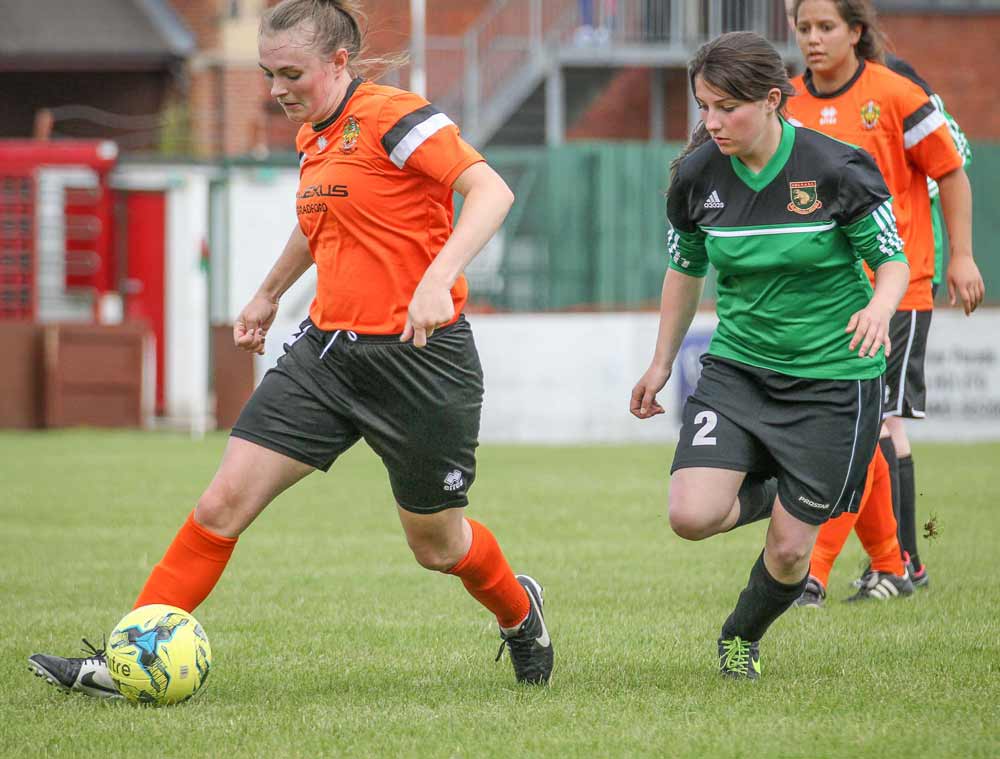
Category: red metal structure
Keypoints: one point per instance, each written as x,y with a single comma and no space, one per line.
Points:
75,249
56,227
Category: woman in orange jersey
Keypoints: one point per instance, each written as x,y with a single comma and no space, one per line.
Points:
385,354
847,93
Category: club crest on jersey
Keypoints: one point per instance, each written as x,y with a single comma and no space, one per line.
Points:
870,112
805,197
352,131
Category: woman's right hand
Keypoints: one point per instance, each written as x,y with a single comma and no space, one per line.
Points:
252,324
644,404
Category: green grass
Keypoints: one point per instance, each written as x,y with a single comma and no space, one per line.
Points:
328,639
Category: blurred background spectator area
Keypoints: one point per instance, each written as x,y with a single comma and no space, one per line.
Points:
180,77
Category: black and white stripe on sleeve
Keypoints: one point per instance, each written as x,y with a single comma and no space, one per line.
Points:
411,131
921,123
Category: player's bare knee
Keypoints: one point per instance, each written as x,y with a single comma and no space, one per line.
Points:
789,554
216,508
688,521
434,556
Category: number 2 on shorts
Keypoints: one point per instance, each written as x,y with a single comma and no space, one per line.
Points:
709,419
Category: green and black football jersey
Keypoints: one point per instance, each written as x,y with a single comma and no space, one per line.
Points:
788,244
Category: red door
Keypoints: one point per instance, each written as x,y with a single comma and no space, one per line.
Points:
144,288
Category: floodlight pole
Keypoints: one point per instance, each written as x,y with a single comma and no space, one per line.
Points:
418,47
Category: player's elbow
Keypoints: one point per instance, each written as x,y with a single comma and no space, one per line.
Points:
504,197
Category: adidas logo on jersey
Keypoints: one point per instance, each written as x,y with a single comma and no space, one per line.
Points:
714,201
828,115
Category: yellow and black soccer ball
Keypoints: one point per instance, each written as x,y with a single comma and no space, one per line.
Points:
158,654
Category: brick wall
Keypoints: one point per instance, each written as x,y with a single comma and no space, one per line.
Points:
204,114
245,95
622,110
955,54
202,19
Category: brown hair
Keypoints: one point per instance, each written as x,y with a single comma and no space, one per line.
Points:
744,66
334,24
872,43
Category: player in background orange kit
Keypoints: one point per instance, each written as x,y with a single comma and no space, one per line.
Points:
847,93
385,354
875,525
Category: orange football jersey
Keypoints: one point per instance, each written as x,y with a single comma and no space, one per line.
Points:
375,202
892,119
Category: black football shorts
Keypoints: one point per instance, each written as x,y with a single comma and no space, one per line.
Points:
905,385
417,408
817,436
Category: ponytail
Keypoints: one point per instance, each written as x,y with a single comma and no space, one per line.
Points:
699,136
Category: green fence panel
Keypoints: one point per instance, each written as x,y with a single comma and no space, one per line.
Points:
588,228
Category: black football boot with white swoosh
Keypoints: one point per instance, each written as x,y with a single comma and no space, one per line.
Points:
88,675
529,643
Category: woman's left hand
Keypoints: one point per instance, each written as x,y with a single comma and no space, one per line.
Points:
430,307
965,283
870,326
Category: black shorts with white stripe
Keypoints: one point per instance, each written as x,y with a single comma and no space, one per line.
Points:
905,385
817,436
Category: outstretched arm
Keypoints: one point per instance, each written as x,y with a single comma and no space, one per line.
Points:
678,304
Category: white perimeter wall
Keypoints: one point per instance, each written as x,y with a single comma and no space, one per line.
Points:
261,215
567,378
551,378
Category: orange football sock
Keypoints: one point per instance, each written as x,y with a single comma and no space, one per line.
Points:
832,535
876,527
829,543
487,576
189,569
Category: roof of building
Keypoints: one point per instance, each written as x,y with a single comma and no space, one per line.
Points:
47,35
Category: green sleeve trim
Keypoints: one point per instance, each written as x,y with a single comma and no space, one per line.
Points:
687,252
875,237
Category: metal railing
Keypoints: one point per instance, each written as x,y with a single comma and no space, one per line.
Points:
508,49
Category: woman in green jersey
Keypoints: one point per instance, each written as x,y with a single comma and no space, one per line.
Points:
786,414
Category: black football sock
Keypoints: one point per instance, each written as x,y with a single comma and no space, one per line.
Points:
762,601
756,499
908,510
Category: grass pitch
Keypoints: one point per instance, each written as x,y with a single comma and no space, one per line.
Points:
329,640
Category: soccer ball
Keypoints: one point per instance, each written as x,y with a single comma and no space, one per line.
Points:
158,654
